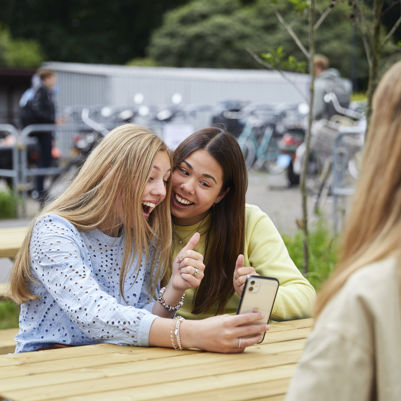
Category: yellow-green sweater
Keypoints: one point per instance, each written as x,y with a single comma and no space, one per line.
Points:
265,251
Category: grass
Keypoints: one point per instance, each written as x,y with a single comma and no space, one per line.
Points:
322,252
9,312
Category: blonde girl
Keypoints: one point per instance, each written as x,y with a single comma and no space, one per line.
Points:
90,266
354,351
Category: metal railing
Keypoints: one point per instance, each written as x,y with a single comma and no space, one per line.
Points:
21,171
343,152
14,172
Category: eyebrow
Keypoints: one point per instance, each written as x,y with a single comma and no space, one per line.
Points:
158,168
204,175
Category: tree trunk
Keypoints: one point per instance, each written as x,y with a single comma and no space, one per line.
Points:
375,54
307,140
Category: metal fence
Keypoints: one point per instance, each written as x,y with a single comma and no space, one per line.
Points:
20,171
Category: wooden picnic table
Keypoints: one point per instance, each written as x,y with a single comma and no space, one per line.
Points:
11,239
111,372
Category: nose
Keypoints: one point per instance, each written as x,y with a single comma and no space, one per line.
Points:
159,189
187,186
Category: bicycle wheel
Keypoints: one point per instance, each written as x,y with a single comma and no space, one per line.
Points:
249,152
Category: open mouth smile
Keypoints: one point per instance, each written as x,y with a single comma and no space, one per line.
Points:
147,208
182,201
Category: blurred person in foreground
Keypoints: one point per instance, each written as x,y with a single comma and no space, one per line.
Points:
354,350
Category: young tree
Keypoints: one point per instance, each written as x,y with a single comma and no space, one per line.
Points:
368,16
369,20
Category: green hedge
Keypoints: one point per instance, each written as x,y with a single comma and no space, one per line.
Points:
323,246
9,312
8,205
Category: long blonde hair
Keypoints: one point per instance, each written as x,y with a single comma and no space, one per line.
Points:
373,229
117,169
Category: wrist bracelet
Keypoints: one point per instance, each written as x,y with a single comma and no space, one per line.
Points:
172,338
165,305
179,320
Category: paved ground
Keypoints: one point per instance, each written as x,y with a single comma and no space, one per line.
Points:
268,191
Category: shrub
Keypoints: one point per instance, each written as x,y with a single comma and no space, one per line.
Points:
8,205
322,252
9,312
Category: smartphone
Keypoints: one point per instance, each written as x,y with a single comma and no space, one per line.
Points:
258,294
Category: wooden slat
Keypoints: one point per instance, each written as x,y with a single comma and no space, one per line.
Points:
11,239
5,291
291,325
7,343
112,355
274,391
218,383
108,371
118,376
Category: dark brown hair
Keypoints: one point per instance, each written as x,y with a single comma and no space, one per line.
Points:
226,235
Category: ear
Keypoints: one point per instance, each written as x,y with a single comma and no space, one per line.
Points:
222,195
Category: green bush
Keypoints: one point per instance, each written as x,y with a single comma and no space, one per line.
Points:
8,205
9,312
323,247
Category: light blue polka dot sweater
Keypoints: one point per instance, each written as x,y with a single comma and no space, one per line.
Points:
77,280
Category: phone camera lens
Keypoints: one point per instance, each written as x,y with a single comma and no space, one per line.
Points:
250,288
252,282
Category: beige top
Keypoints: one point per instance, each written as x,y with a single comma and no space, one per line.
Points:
354,351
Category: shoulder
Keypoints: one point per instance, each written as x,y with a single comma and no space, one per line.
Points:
374,280
254,215
53,224
370,294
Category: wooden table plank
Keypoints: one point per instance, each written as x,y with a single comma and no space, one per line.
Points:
106,371
131,375
11,239
7,343
276,391
112,356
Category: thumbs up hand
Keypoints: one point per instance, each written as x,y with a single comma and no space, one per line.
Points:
188,266
241,272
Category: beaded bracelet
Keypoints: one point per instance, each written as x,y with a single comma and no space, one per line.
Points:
165,305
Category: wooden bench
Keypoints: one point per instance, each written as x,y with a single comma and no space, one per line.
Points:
7,343
11,239
4,291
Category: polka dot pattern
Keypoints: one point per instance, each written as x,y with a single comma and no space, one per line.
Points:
77,279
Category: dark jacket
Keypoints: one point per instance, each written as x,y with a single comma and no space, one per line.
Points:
43,106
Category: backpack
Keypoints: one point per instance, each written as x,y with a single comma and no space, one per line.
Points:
342,89
26,113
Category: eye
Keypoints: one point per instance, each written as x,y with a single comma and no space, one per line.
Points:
205,184
183,170
150,179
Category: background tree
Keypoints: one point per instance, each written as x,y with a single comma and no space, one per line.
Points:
89,31
18,53
368,16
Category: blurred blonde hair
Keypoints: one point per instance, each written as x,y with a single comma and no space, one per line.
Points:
321,61
116,170
373,230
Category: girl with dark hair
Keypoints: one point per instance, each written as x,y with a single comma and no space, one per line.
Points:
90,266
209,183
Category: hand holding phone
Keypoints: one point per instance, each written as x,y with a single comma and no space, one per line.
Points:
258,295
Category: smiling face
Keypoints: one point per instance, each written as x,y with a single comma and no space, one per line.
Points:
155,189
197,186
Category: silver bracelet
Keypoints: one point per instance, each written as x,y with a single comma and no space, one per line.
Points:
179,320
165,305
172,338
